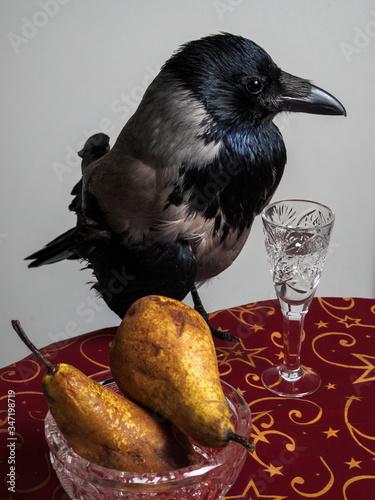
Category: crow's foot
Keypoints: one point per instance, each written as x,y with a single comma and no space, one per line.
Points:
219,334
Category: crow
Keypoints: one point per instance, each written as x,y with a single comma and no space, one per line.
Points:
171,204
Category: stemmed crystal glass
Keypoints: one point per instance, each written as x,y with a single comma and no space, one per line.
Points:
297,234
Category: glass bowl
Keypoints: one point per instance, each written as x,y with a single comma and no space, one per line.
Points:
210,479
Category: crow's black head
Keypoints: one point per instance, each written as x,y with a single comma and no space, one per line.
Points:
240,85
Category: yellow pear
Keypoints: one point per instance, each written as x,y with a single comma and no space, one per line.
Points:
107,429
163,357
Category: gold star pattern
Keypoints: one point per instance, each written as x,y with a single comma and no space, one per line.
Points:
308,369
241,391
354,463
256,327
349,322
241,353
321,324
330,386
371,368
272,470
251,492
331,433
260,436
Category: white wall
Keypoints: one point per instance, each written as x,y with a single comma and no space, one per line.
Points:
66,66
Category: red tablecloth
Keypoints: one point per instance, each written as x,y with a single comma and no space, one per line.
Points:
322,446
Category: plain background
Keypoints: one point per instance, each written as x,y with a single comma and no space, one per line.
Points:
70,68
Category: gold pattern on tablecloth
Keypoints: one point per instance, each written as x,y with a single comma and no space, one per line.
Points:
358,436
256,310
250,318
354,463
20,441
64,344
355,480
339,343
238,352
328,337
265,433
57,490
254,377
349,322
299,480
36,415
26,372
249,492
105,366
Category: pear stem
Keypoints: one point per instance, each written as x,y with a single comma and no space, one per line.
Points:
247,443
22,335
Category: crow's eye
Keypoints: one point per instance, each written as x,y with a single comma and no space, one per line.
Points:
254,86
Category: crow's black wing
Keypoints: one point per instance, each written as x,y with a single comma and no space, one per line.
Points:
66,246
125,274
62,247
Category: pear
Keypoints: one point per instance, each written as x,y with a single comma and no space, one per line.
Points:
163,357
104,427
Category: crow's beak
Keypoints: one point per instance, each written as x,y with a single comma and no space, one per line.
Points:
301,96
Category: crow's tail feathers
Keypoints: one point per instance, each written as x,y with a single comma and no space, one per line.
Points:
62,247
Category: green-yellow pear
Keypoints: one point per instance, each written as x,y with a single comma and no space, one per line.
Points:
107,429
163,357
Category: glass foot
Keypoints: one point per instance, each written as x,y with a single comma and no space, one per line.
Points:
292,385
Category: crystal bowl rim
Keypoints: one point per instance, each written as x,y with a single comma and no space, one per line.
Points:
85,469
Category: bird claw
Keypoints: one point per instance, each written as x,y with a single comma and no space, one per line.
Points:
223,335
219,334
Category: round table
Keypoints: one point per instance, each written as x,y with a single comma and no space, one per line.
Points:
321,446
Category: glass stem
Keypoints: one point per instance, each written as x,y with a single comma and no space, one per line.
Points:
292,339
